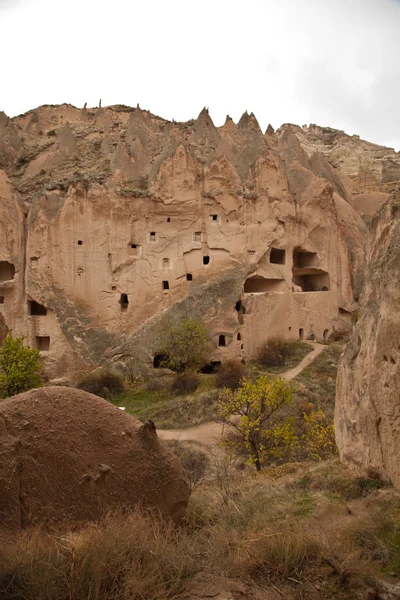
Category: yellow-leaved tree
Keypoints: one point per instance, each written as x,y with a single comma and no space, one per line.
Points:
318,436
253,413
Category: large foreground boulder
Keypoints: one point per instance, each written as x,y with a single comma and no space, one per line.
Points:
367,413
68,456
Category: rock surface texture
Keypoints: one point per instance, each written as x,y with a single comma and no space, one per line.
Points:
367,417
117,222
68,456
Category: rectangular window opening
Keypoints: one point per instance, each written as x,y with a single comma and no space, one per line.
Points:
36,309
189,276
124,301
165,285
43,343
152,236
213,217
165,264
206,260
277,256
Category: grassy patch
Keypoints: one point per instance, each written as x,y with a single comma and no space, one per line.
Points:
317,382
377,534
333,479
169,411
296,352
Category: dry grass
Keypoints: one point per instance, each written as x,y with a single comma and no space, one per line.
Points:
269,532
124,557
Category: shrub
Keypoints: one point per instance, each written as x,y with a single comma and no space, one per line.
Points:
158,384
185,345
274,352
255,417
185,383
102,382
230,374
19,367
195,461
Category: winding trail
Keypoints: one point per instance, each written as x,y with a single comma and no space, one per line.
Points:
209,434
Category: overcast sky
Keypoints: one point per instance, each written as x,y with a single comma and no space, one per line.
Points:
331,62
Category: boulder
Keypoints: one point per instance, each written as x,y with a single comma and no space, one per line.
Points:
67,456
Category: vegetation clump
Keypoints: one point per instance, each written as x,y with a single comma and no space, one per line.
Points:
252,413
273,352
184,345
20,367
103,382
230,374
184,349
185,383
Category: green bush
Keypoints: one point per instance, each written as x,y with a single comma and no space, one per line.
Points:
273,352
230,374
184,345
185,383
102,382
19,367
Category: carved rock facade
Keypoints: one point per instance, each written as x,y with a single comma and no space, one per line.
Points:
117,222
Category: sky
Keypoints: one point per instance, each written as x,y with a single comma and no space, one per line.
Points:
335,63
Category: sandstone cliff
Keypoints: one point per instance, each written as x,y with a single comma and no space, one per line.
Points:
367,403
119,221
370,172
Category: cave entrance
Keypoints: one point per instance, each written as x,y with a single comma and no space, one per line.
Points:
7,270
258,284
210,368
36,310
277,256
317,281
302,258
160,361
43,343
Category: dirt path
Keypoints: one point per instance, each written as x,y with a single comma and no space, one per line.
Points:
210,433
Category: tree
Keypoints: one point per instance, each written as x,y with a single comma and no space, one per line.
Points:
319,435
185,345
19,367
252,414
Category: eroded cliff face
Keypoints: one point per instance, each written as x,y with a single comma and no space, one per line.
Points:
367,418
369,172
119,222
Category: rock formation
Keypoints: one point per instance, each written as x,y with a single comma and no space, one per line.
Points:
120,221
68,456
367,416
369,172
